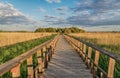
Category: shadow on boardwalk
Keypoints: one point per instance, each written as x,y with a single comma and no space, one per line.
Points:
66,63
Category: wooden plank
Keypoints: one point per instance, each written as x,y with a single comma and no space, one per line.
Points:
111,67
66,63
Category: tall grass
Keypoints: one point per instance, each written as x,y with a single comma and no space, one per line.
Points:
109,41
15,37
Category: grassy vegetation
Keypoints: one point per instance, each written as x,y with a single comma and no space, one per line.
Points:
9,52
9,38
108,41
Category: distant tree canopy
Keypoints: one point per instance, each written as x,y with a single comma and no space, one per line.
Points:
60,30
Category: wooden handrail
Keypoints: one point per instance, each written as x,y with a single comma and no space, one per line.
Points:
80,47
14,64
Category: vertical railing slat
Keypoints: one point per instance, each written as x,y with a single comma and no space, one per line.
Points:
16,71
89,56
39,58
30,67
111,67
96,61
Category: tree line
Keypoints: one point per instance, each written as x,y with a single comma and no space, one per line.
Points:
61,30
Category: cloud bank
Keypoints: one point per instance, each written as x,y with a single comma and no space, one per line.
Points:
10,15
91,13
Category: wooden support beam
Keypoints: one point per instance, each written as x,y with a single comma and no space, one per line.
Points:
81,47
101,75
96,61
84,51
16,71
36,73
111,67
39,55
89,55
30,67
46,58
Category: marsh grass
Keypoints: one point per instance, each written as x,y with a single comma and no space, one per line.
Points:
15,37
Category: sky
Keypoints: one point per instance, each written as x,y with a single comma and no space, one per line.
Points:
91,15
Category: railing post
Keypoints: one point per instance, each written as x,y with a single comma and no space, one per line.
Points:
30,67
53,46
36,73
84,51
111,67
39,58
78,45
46,58
89,56
96,61
16,71
101,75
50,52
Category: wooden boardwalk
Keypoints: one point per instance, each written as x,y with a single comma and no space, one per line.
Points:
66,63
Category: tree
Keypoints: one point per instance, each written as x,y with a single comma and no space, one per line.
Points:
60,30
40,30
67,30
50,29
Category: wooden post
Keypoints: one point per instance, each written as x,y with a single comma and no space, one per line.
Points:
89,55
80,49
96,61
84,51
36,73
39,58
43,58
16,71
30,67
111,67
46,58
101,75
91,66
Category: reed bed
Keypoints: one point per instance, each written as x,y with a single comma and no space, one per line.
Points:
15,37
101,38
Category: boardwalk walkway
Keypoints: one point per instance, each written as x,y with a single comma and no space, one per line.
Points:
66,63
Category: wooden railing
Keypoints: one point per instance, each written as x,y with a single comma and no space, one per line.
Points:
44,53
85,50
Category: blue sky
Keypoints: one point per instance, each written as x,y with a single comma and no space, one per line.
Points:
92,15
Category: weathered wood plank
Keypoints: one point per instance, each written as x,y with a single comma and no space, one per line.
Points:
66,63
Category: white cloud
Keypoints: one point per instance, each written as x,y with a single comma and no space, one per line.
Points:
96,13
10,15
55,1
